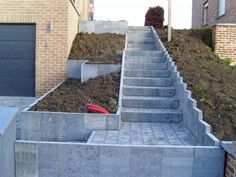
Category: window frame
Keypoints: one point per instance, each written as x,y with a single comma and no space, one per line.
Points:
205,14
221,4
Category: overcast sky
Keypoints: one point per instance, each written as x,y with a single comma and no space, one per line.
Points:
134,11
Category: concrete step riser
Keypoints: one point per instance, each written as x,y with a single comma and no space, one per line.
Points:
145,40
155,92
153,74
142,46
149,82
132,35
140,66
161,104
144,53
142,42
145,59
151,117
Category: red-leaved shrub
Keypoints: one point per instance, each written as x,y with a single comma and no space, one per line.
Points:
155,17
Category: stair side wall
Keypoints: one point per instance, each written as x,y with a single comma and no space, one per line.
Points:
192,116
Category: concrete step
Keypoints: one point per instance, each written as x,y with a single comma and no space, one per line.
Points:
141,40
151,115
147,73
150,102
153,82
149,91
146,66
137,34
145,59
139,28
142,46
144,53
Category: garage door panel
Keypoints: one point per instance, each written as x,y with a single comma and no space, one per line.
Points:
12,87
17,60
17,32
18,73
13,63
17,50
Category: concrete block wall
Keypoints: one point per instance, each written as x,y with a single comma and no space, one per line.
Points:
192,116
70,159
93,70
224,40
74,68
103,27
52,47
63,127
7,139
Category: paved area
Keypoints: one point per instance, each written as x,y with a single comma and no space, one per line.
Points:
19,102
137,133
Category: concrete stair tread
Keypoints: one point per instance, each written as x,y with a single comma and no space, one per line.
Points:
147,87
144,63
151,70
149,98
146,78
146,110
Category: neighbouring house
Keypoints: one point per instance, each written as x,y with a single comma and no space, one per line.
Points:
35,40
221,15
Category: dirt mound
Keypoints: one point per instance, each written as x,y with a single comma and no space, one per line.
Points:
99,48
72,94
212,82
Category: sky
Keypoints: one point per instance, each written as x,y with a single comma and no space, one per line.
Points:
134,11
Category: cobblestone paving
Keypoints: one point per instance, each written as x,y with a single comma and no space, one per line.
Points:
136,133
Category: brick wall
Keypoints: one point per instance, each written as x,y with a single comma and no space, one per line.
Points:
197,15
224,40
52,47
230,168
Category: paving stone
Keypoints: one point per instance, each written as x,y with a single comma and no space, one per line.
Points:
137,133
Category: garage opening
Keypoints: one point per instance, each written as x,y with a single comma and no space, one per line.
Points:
17,60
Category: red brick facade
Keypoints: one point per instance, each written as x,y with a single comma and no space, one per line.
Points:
52,47
230,168
224,40
213,18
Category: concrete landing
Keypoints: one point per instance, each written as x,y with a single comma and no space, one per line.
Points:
137,133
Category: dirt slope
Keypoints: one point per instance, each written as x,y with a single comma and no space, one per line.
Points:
71,95
99,48
212,82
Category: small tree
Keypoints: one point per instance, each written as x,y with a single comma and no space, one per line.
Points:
155,17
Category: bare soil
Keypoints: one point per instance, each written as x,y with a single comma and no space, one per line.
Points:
98,48
212,82
73,95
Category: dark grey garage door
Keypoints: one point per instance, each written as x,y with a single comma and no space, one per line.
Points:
17,60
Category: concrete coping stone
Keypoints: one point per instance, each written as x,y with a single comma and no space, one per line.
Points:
224,24
117,145
229,147
6,116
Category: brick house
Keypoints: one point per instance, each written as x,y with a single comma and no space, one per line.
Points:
35,40
220,14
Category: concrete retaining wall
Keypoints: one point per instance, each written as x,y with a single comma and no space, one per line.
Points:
7,138
63,127
74,68
103,27
93,70
192,117
69,159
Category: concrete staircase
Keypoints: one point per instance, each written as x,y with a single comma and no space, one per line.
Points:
149,92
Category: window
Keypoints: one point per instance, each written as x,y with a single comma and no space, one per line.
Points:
205,13
221,7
